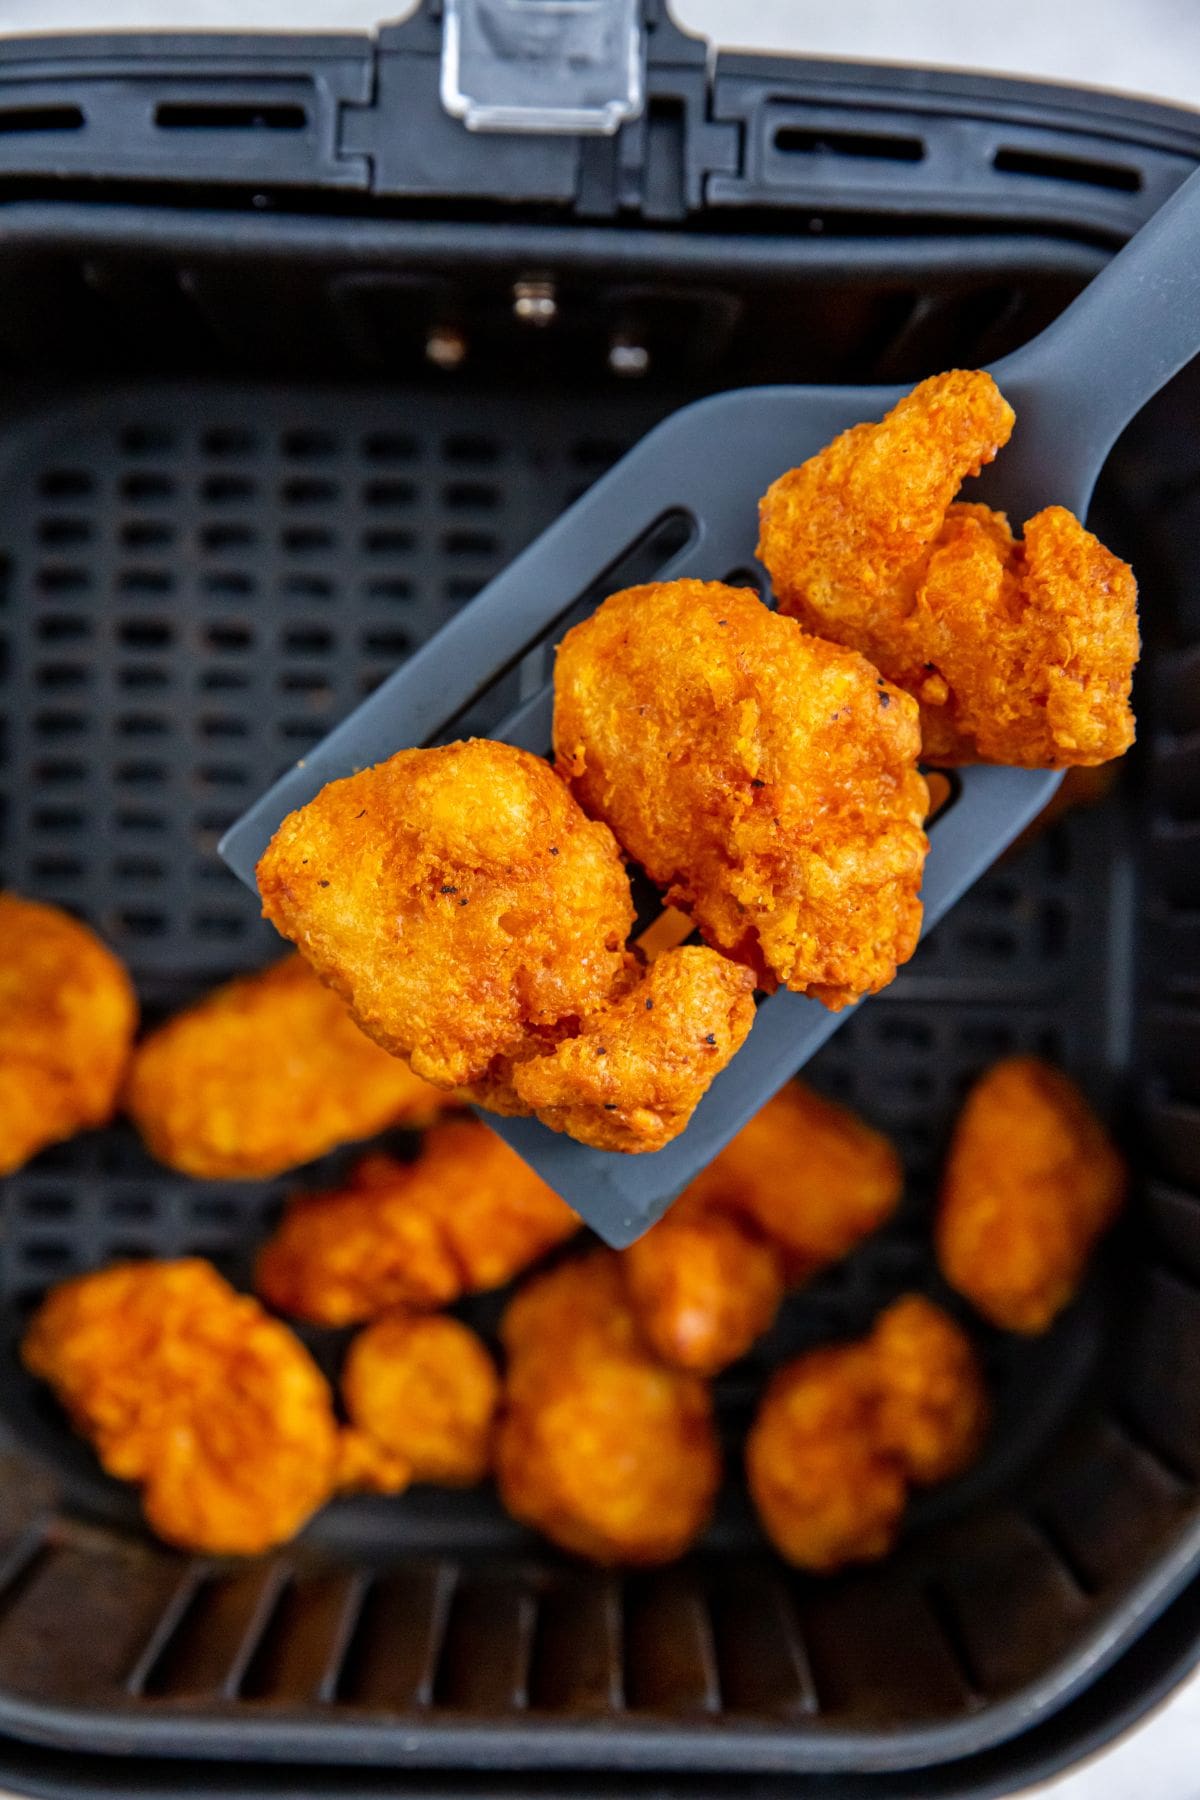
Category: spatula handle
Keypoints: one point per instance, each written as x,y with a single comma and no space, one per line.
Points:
1079,384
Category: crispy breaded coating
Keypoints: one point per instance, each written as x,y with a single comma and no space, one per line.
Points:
367,1466
427,1390
1031,1182
1033,643
616,1459
266,1073
467,1214
1019,653
67,1019
600,1447
634,1076
825,1494
766,779
193,1392
843,1432
580,1309
933,1405
844,534
810,1175
703,1286
460,901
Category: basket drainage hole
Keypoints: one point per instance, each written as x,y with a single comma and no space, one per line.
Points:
1116,177
182,115
796,140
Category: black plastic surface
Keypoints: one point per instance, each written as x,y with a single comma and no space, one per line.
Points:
430,1631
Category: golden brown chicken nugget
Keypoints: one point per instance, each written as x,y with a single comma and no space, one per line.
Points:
611,1456
825,1490
67,1019
843,1431
460,901
811,1175
426,1389
1031,1182
1019,653
266,1073
703,1287
635,1074
844,536
765,779
1031,645
933,1404
577,1309
600,1447
193,1392
467,1214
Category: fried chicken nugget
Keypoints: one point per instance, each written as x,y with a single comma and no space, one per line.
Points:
634,1076
933,1405
426,1389
1031,1182
266,1073
843,1432
460,901
1020,653
600,1447
825,1494
810,1175
190,1390
67,1019
765,779
844,534
578,1309
703,1287
467,1214
1032,644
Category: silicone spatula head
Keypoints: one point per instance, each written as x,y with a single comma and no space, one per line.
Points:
702,471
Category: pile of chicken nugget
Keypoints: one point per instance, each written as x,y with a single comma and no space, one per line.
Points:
471,902
464,916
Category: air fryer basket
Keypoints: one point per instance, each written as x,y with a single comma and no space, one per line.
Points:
233,494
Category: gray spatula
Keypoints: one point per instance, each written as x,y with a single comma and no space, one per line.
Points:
1073,388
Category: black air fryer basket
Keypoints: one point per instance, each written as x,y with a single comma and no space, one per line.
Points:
293,362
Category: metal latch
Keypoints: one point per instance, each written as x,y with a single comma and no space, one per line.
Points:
543,65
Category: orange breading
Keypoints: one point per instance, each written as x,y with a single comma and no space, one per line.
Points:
193,1392
1031,1182
67,1019
460,901
427,1390
579,1309
766,779
824,1493
703,1287
1032,644
615,1459
634,1076
265,1073
844,534
933,1406
810,1175
843,1432
467,1214
1019,653
600,1447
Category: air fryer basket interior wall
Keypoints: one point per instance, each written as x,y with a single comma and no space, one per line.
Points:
233,493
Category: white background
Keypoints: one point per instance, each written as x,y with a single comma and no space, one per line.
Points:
1149,47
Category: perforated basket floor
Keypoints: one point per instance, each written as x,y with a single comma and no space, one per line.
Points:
194,582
